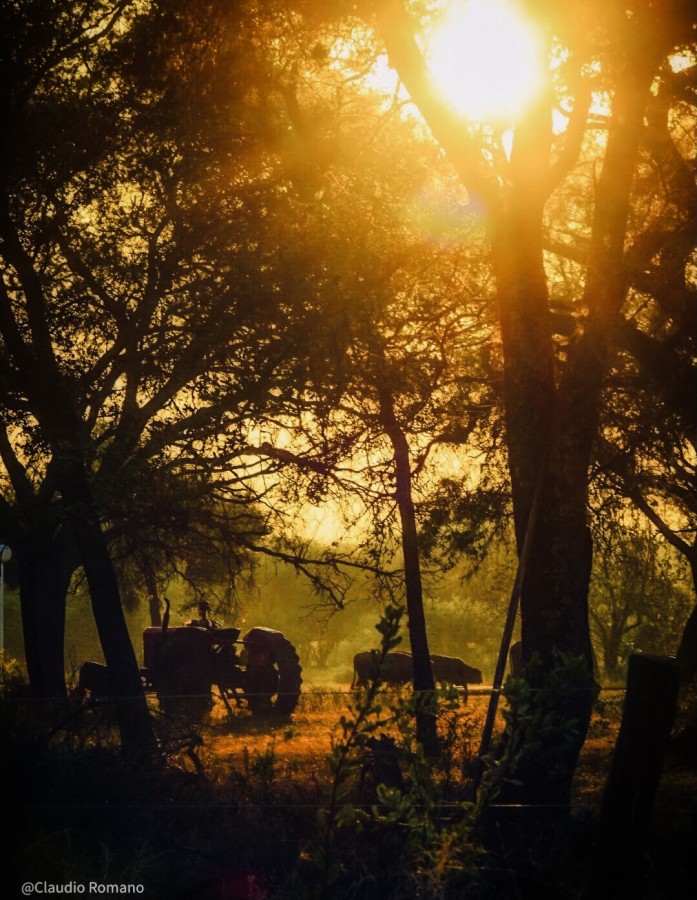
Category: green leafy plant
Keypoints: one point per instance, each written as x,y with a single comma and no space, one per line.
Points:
364,719
13,682
434,829
428,838
535,716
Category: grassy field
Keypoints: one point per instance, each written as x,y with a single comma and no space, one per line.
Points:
241,798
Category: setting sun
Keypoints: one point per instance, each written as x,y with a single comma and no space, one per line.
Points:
485,58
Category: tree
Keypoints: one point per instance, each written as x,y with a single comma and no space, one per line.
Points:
649,445
552,405
637,594
396,320
147,252
30,365
137,332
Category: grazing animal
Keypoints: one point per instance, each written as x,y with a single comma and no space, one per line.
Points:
454,670
399,669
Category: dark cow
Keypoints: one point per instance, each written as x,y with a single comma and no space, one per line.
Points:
398,669
454,670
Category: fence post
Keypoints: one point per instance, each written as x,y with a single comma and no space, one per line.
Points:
630,790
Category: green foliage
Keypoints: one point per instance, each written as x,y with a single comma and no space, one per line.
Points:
13,681
640,593
406,831
539,719
364,720
437,837
261,769
464,520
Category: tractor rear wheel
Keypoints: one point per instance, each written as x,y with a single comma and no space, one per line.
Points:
273,685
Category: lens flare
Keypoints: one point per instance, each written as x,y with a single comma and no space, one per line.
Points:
485,57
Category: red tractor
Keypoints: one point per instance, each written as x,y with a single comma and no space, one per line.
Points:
183,664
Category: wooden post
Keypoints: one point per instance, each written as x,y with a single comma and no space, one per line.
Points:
513,603
623,830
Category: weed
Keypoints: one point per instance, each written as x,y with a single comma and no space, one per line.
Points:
401,814
262,766
13,683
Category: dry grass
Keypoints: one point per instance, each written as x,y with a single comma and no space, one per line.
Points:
254,797
307,735
298,747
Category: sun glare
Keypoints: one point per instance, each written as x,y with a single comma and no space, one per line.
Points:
485,58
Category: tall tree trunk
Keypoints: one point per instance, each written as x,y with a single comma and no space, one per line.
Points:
555,582
554,598
50,397
687,650
135,725
551,422
45,554
611,652
45,568
423,673
687,672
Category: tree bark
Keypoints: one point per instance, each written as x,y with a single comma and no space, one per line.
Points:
46,560
46,565
687,650
622,841
135,725
418,638
554,601
551,421
554,591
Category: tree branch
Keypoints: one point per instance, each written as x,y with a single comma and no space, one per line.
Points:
398,32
